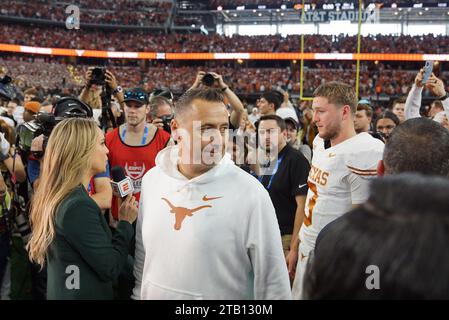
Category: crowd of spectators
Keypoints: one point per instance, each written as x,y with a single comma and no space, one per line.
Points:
122,12
160,42
49,75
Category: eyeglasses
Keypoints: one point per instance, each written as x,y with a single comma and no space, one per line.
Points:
140,96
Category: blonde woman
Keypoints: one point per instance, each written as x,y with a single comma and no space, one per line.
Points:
69,232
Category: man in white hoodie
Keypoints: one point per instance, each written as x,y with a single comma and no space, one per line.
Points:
206,229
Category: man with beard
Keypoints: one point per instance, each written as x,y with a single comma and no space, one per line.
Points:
198,235
342,164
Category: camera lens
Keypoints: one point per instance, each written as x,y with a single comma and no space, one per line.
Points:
208,80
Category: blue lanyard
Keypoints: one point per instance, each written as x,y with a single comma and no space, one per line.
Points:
144,138
276,167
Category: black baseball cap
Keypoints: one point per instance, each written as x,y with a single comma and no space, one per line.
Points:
136,94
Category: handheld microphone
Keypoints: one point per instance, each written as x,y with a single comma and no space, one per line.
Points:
121,184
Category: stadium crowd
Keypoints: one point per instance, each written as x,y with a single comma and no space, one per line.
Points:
159,42
51,75
141,13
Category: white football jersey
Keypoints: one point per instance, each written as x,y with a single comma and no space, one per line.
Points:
339,177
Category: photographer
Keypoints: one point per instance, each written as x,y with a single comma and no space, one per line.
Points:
212,79
97,81
161,112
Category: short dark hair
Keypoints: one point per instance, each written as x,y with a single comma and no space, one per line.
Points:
367,108
438,104
387,114
157,101
338,93
280,122
274,97
418,145
31,91
398,100
403,230
185,101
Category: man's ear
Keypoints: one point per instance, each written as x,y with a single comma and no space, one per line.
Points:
347,113
381,168
174,125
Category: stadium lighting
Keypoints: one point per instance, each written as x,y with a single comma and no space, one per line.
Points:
219,8
283,7
394,5
193,25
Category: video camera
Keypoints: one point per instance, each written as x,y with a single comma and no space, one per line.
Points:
64,108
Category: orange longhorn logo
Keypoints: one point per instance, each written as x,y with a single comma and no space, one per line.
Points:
181,212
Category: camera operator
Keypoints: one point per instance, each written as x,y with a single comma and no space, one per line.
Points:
212,79
99,188
161,112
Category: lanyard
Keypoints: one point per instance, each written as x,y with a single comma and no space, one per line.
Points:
144,138
276,167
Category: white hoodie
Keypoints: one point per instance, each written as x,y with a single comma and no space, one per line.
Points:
229,248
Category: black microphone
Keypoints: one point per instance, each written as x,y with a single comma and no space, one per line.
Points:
121,184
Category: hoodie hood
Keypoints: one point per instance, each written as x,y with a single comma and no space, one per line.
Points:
167,161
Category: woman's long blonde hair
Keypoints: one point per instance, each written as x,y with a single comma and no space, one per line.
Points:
66,161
